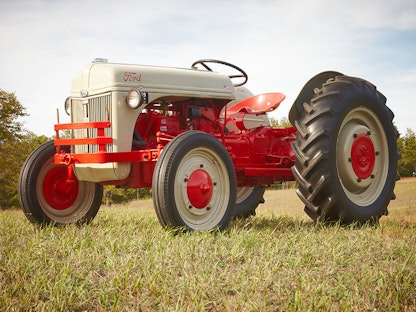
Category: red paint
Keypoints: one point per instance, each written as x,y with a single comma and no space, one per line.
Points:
258,104
59,192
260,156
363,156
199,188
134,77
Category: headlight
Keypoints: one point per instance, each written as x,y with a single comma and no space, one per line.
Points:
67,106
134,98
83,93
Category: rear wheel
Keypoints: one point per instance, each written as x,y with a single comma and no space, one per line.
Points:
47,196
248,198
194,183
346,153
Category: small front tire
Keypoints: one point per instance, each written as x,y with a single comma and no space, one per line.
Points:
46,195
194,183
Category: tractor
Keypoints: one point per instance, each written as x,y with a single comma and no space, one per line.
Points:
204,145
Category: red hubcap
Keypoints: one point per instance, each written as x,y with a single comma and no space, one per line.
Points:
58,191
199,188
363,156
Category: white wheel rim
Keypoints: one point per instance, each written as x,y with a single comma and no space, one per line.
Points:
365,190
210,215
81,205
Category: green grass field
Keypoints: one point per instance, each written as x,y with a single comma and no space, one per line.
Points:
276,261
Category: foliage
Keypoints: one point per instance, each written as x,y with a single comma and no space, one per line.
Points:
15,146
280,123
12,156
116,195
407,147
10,110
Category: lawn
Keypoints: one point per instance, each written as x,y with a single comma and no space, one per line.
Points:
276,261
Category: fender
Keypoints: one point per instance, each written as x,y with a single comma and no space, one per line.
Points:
306,93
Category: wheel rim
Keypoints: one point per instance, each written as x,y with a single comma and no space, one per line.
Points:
362,156
243,193
62,201
202,189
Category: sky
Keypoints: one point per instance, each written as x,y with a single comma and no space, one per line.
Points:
280,44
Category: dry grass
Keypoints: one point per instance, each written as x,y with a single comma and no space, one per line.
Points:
403,208
276,261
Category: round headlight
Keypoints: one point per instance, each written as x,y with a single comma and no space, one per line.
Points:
67,106
134,98
83,93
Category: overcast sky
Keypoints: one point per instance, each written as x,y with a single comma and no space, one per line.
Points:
280,44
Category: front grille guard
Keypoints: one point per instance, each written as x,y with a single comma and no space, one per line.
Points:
102,156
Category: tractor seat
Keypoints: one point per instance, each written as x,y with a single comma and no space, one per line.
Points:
251,112
257,104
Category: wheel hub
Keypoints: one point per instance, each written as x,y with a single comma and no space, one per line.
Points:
363,156
355,156
199,189
58,191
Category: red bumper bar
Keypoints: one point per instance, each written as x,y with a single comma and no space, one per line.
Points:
62,157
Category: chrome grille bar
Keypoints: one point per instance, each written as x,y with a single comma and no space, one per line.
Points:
91,109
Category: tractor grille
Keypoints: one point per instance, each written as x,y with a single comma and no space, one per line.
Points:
88,110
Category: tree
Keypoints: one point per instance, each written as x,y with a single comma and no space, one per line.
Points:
15,145
280,123
10,110
12,156
407,147
115,195
10,133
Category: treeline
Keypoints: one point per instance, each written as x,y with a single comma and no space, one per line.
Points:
16,143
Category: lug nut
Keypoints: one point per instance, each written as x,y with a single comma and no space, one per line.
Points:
355,135
373,176
358,180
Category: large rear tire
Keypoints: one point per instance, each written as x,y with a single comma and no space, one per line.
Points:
194,183
47,196
346,153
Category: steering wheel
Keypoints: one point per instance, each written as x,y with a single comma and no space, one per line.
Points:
241,74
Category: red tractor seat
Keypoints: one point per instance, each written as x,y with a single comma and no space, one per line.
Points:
257,104
251,112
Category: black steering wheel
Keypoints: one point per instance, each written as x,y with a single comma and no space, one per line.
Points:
241,74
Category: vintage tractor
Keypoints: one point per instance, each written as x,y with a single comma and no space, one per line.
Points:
205,146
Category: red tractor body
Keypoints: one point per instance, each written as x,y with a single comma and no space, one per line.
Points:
261,156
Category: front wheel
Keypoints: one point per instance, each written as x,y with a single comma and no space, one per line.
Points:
194,183
346,152
46,195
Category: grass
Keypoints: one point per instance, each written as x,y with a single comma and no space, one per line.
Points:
276,261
